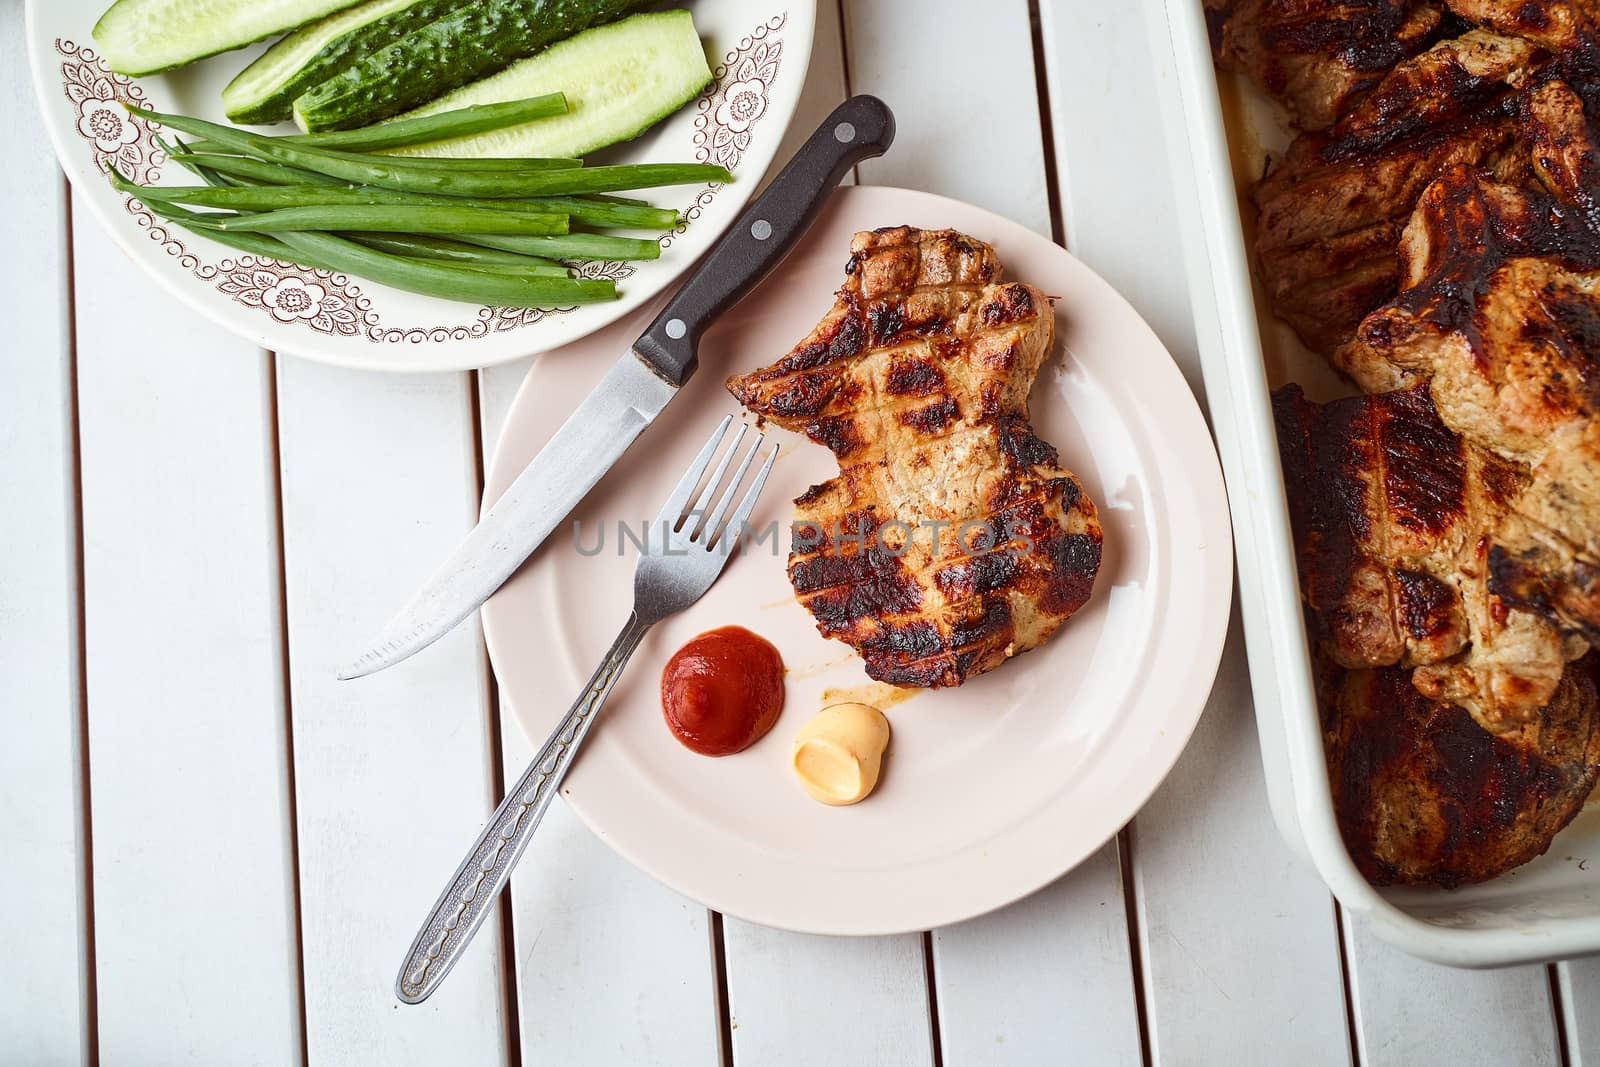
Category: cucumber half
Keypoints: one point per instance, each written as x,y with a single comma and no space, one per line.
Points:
147,36
619,81
265,91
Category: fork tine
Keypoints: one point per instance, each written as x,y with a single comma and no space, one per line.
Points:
714,519
735,527
697,513
673,508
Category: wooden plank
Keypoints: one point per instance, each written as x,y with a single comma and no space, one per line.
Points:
1238,941
796,1000
1054,970
393,773
1410,1013
1118,207
981,146
1237,936
1579,982
1051,972
43,915
610,964
193,876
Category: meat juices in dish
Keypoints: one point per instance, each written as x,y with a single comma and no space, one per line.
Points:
951,539
1425,796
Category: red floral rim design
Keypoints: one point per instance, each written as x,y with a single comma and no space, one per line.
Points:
332,303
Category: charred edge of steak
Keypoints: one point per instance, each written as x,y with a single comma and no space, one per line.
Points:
1021,445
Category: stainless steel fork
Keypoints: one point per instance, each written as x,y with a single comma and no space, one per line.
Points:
686,549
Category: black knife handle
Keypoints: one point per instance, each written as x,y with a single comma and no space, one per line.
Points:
859,128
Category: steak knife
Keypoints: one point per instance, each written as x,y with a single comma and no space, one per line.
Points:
636,389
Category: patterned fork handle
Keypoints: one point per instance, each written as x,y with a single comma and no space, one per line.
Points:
477,882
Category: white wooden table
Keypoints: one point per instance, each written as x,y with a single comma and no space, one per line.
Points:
207,850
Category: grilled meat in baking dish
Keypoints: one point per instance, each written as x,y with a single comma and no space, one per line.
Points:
1504,93
1319,55
1423,796
952,538
1500,317
1332,212
1393,515
1434,230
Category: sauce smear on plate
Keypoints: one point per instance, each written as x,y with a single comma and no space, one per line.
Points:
721,692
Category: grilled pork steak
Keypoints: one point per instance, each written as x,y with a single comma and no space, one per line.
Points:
1392,515
1319,55
1424,796
1500,316
1332,212
951,539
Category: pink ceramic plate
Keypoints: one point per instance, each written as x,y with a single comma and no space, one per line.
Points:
990,790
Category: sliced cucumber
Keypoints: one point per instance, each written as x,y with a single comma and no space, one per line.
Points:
469,43
146,36
265,91
620,80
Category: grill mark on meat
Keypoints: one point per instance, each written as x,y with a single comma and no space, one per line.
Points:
1400,118
1577,335
909,376
1431,495
840,435
934,417
1076,558
1022,445
977,575
888,322
1367,41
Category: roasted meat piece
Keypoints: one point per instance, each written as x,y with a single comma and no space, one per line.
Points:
951,539
1424,796
1392,515
1555,24
1500,316
1332,212
1319,55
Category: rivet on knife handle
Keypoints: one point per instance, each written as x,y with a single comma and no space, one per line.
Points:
859,128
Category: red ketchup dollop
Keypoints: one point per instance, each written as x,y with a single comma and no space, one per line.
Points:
721,692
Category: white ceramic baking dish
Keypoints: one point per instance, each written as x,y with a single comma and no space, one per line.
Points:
1548,909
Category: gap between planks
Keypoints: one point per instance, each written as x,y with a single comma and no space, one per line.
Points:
91,989
275,444
509,984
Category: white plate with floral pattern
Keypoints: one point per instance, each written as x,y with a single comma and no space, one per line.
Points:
758,53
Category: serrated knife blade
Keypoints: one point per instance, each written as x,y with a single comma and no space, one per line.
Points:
635,390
